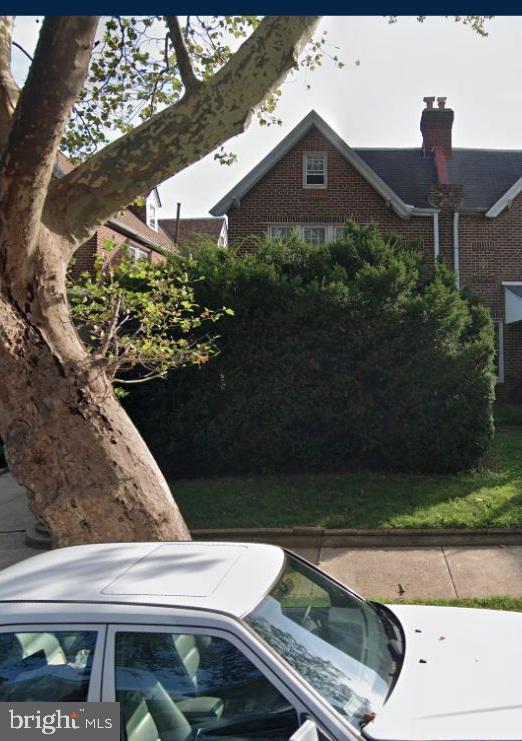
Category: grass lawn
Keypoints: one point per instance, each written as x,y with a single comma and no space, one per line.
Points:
488,497
514,604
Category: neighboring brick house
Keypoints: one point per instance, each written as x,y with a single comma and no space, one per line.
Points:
464,204
136,227
185,232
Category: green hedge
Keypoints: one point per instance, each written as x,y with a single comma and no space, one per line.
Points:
338,356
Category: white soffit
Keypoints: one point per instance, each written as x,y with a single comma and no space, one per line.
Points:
402,209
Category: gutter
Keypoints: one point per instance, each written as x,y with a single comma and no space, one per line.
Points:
130,232
456,248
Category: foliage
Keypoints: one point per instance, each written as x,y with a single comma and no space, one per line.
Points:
508,414
134,73
513,604
340,355
489,496
138,318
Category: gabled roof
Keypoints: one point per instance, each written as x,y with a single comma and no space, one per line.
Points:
126,221
490,178
312,119
191,228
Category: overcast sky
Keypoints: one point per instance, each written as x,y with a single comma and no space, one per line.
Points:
379,102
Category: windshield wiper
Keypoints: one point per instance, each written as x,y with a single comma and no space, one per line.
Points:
395,643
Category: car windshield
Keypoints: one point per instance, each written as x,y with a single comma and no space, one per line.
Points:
347,649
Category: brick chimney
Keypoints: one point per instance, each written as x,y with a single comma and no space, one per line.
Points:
436,126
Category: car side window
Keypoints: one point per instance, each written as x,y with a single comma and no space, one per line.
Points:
177,686
46,666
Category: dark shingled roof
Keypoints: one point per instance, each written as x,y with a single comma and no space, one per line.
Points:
190,229
485,174
407,171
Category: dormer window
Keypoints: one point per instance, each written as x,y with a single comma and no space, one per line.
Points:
152,216
152,206
314,170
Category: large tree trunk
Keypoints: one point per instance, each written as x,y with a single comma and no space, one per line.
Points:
89,474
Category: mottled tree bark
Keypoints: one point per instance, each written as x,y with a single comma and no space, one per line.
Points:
90,476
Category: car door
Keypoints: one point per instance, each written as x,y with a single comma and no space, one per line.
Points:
188,682
51,662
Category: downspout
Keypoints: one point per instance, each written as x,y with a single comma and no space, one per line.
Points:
436,243
456,250
176,233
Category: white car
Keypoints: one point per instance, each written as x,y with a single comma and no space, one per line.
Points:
249,642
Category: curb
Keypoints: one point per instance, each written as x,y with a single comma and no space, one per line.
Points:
317,537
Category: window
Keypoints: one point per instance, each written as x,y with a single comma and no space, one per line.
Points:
347,649
338,232
499,350
282,232
185,686
137,253
152,214
314,170
314,234
46,666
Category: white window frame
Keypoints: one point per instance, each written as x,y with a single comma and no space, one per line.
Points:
137,253
315,155
329,236
500,328
316,226
95,678
151,212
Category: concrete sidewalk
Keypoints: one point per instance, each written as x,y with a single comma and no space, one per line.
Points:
442,571
15,519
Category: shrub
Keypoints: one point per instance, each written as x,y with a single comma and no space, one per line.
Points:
338,356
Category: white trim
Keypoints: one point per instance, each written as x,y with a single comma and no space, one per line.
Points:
505,200
512,282
402,209
151,213
95,676
318,156
456,248
298,228
294,688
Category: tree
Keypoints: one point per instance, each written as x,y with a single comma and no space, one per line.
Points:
89,474
139,319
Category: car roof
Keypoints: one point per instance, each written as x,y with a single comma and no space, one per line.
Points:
225,577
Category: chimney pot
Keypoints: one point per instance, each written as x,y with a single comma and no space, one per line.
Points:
436,125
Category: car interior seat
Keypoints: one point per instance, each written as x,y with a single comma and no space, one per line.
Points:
149,714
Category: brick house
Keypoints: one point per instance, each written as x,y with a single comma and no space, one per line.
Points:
465,205
137,227
184,232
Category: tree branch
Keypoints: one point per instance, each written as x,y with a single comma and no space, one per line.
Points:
179,135
186,71
55,79
8,88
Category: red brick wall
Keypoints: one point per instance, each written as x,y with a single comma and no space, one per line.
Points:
490,253
280,197
85,254
490,249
